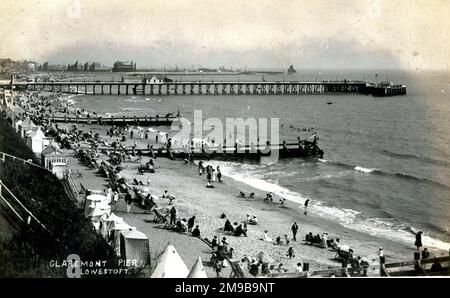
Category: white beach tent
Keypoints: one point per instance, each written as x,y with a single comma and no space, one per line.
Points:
135,248
170,265
98,210
108,221
91,201
198,271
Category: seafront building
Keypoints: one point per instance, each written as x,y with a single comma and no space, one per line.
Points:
124,66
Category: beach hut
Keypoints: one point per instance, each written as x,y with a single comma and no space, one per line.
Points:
114,232
198,271
35,140
134,248
26,125
54,160
170,265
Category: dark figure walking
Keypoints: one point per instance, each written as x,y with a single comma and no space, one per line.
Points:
418,243
191,223
294,231
173,215
306,205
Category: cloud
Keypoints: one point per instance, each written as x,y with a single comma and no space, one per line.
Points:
340,33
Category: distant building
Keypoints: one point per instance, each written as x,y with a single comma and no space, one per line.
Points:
121,66
158,79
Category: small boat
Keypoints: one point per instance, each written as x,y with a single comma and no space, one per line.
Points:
291,70
329,102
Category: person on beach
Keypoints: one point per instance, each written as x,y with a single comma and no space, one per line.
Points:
278,240
228,226
282,268
200,168
364,266
208,175
294,229
173,215
299,267
290,252
116,197
196,232
214,242
323,243
191,223
425,253
109,195
148,181
254,268
240,231
266,237
131,134
381,255
286,239
418,242
306,205
128,201
219,174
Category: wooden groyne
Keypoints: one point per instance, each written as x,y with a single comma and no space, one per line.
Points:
212,88
302,149
418,267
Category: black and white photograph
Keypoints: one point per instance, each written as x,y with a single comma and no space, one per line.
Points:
227,140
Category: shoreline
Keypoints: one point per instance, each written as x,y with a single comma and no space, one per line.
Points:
193,198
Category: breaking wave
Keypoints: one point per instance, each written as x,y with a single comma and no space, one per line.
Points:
388,228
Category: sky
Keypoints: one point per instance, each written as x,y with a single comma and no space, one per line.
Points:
345,34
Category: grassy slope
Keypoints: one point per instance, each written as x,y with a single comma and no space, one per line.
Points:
31,247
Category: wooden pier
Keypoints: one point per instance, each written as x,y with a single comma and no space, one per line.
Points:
118,121
207,87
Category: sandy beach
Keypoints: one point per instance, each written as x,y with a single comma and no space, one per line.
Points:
207,204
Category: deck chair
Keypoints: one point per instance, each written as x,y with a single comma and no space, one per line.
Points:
160,217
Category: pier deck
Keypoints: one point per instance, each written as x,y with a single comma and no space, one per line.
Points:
210,87
118,121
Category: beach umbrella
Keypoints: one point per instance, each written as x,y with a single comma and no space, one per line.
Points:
96,198
198,271
170,265
263,257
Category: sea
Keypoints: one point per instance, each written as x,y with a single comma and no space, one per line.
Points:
386,167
